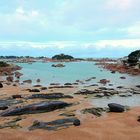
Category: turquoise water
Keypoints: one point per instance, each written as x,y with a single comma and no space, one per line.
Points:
71,72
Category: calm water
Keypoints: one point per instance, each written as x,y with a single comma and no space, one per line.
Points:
129,101
71,72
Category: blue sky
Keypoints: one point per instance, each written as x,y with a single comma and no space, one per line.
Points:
83,28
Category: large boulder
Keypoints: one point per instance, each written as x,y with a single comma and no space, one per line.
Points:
10,79
113,107
35,108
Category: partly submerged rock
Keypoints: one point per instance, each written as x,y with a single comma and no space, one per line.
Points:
50,96
28,81
113,107
55,125
58,65
35,108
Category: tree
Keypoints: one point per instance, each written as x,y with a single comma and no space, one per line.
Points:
3,64
134,57
62,57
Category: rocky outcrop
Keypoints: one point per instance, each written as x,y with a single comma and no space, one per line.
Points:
50,96
58,65
35,108
55,125
113,107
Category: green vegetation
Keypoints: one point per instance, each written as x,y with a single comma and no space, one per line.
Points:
62,57
134,57
3,64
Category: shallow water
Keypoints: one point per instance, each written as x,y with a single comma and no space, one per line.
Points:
71,72
128,101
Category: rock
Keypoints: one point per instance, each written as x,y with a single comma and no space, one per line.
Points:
75,83
103,88
110,84
138,119
68,114
3,107
55,125
35,108
76,122
60,87
16,81
58,65
50,96
43,88
96,111
34,90
104,81
136,92
10,79
138,86
38,80
85,92
113,71
54,84
67,84
18,74
27,81
16,96
37,85
100,95
120,87
1,85
116,107
123,77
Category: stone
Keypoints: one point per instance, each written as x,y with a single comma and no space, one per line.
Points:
58,65
3,107
50,96
67,84
43,88
35,108
56,124
123,77
34,90
10,79
1,85
116,107
27,81
16,96
38,80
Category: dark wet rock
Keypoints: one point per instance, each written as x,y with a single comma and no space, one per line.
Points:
34,90
54,84
11,124
27,81
113,71
110,84
10,79
37,85
50,96
138,119
120,87
3,107
75,83
16,96
85,92
67,84
136,92
1,85
116,107
98,111
76,122
58,65
55,125
43,88
138,86
123,77
103,88
38,80
35,108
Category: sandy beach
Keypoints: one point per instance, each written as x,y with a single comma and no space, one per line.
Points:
110,126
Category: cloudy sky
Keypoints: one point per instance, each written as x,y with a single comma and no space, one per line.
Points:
83,28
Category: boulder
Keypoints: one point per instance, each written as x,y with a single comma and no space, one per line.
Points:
58,65
10,79
35,108
18,74
50,96
3,107
38,80
113,107
34,90
104,81
27,81
16,96
67,84
123,77
43,88
55,125
138,86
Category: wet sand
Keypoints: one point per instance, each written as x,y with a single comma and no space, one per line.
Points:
111,126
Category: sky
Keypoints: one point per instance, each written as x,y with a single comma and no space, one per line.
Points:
82,28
